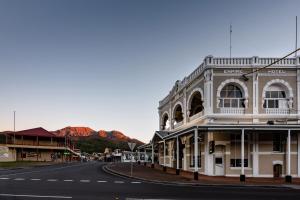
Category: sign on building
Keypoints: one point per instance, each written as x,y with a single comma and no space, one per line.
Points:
211,146
4,152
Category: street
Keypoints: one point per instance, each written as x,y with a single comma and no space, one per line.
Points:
89,181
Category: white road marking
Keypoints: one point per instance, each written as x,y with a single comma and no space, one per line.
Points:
101,181
135,182
52,180
35,196
119,182
19,179
145,199
69,180
85,181
35,179
4,178
44,170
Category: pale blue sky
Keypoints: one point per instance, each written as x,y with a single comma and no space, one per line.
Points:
106,64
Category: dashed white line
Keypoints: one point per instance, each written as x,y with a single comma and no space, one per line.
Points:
135,182
68,180
35,196
4,178
52,180
101,181
35,179
19,179
119,182
85,181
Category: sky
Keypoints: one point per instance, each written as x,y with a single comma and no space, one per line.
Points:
106,64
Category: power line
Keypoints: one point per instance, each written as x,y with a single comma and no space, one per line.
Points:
244,76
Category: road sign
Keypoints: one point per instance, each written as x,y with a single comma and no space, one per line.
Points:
131,145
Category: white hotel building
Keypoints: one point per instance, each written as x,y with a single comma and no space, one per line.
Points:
244,127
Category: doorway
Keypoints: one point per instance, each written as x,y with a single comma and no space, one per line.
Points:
277,170
219,166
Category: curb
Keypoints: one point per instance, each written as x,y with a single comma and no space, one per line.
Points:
115,173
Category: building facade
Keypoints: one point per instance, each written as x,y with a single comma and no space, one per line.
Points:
245,119
35,144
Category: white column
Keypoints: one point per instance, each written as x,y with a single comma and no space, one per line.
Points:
208,159
164,153
255,154
152,156
177,153
185,106
208,91
196,149
242,152
255,96
298,154
288,167
298,92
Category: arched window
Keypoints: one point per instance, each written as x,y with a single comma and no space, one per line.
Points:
178,114
166,122
275,97
196,104
231,97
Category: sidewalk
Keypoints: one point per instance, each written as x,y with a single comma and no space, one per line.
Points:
158,175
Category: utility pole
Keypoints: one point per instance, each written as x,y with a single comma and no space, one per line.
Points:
230,47
14,126
296,45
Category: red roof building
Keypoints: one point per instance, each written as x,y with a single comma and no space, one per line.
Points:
40,132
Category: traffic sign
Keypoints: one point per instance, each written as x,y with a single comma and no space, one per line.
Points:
131,145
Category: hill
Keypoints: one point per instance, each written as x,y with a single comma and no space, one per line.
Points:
89,140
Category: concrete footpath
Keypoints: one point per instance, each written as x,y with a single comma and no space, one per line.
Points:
157,174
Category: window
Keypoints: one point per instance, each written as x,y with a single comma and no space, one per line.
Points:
278,140
192,160
167,149
275,97
178,115
238,162
219,161
235,150
231,97
166,122
196,104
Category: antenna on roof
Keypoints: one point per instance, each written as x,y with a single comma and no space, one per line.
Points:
296,45
230,47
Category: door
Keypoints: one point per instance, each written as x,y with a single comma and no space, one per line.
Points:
219,166
277,170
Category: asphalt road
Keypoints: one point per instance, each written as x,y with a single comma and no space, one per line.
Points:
87,181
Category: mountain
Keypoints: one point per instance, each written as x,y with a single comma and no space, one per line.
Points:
86,132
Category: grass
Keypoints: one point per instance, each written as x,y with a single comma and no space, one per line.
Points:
8,165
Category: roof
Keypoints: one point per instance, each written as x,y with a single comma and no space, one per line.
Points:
162,134
224,127
40,132
144,146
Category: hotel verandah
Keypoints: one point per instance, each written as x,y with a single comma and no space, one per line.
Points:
35,144
244,127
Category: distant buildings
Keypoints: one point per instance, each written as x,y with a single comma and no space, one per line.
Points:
218,123
35,144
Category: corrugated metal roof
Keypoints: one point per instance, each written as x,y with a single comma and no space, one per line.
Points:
34,132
